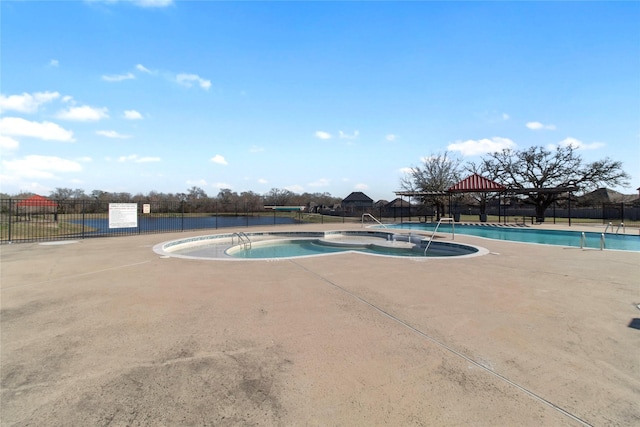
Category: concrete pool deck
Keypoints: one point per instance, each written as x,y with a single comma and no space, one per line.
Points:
106,332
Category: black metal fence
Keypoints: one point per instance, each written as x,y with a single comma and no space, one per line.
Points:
40,220
24,220
602,214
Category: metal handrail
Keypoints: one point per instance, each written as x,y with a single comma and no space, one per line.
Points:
372,217
617,229
242,239
453,232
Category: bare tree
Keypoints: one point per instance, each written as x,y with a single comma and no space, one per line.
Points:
278,197
251,201
437,173
540,168
227,200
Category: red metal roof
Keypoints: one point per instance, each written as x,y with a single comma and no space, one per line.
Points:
37,201
477,183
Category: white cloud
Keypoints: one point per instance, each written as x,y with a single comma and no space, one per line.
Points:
219,160
322,135
112,134
136,159
353,136
577,144
540,126
84,114
153,3
143,69
505,116
35,166
132,115
118,77
391,137
189,79
54,63
262,181
256,149
295,188
8,143
361,187
15,126
481,146
221,185
322,182
26,103
406,170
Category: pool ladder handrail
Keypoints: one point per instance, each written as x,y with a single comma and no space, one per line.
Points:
583,241
617,229
453,232
243,239
372,217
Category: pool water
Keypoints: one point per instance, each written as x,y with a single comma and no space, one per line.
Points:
260,245
550,237
297,248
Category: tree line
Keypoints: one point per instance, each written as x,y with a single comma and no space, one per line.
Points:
195,199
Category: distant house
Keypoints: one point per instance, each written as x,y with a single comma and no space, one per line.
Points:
380,204
357,202
604,195
398,208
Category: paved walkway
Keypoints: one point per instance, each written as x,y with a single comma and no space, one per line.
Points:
106,332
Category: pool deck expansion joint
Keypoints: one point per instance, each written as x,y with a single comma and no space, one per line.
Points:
444,346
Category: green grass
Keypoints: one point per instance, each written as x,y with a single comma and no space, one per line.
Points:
38,229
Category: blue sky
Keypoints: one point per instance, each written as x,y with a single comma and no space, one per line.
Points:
161,95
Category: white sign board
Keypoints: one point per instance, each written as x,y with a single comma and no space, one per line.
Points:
123,215
146,208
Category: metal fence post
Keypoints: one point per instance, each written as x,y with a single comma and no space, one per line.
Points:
83,213
10,214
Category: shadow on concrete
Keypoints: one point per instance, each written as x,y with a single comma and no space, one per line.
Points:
635,323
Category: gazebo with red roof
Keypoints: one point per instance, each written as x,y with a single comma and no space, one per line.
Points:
477,184
37,205
472,184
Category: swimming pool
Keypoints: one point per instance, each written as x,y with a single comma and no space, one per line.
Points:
621,242
259,245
